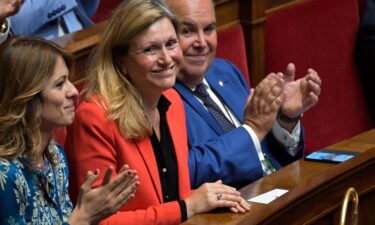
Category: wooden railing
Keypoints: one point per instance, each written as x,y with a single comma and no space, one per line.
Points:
316,191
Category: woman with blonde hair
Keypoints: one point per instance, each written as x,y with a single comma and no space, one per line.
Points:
36,97
131,115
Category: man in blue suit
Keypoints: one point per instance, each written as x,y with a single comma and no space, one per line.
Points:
50,19
236,139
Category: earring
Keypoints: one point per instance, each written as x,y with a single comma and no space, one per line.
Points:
125,71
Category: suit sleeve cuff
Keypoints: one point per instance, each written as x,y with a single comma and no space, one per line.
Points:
255,139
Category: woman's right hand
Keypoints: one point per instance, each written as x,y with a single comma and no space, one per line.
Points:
215,195
96,204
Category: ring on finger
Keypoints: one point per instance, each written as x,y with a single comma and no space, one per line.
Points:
219,197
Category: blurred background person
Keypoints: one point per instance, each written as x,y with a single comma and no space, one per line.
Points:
7,8
50,19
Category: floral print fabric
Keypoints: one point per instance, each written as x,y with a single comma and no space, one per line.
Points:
35,195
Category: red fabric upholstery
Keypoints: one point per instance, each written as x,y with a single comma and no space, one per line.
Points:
231,46
104,10
320,34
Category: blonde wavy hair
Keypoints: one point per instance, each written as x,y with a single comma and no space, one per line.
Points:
108,81
26,65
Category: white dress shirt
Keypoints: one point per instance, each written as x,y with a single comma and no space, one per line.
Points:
4,36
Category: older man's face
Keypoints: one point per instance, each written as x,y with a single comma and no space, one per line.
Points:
197,37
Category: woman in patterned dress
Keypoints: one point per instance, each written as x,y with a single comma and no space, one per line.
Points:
36,97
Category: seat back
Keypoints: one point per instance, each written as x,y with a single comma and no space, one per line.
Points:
320,34
105,9
231,46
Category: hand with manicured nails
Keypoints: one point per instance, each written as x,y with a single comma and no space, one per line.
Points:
96,204
205,198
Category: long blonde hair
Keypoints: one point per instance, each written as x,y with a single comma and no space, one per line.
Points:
108,81
26,65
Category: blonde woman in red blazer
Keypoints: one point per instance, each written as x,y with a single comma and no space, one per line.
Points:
130,115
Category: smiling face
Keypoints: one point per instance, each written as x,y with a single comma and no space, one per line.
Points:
57,98
197,38
153,59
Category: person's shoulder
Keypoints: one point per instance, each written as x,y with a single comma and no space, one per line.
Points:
219,66
10,166
10,172
93,106
223,67
220,62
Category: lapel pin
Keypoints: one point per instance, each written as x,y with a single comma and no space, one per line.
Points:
221,83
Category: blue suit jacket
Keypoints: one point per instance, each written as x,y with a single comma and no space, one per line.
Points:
231,156
40,17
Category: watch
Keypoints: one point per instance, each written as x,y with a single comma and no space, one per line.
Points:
4,27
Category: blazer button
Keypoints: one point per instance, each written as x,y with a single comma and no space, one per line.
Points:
63,7
49,15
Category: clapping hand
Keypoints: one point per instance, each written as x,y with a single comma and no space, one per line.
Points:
301,94
95,204
263,104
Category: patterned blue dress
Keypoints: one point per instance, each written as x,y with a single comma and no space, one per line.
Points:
35,195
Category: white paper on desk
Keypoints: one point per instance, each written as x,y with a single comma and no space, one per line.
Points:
268,196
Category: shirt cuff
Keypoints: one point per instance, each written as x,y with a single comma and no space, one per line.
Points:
255,139
289,140
4,36
183,210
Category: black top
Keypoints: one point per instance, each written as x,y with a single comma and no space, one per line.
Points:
166,159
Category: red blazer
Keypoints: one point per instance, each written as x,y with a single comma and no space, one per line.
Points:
94,141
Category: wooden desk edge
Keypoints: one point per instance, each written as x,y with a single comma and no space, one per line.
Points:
332,174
